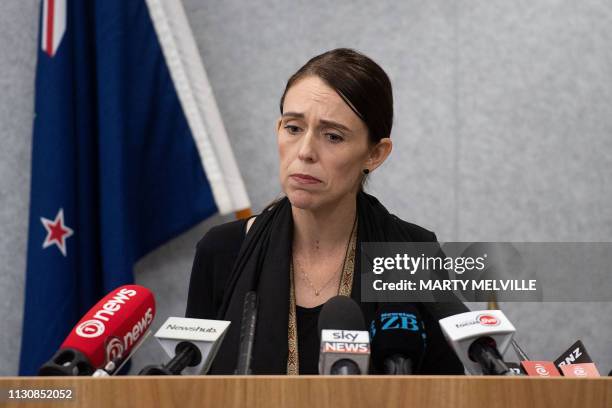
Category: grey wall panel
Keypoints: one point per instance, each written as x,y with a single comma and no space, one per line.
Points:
534,96
251,49
535,106
18,40
166,273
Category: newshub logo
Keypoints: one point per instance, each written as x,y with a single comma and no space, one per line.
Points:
191,328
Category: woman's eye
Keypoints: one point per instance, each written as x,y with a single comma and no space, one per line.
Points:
334,138
292,129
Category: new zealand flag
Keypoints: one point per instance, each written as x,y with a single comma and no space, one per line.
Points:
125,155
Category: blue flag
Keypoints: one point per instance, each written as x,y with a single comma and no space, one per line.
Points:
122,158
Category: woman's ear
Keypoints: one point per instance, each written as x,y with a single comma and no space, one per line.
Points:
379,153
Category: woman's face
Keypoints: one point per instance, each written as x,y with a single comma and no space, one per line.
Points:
322,144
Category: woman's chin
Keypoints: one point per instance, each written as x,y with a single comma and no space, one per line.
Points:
303,200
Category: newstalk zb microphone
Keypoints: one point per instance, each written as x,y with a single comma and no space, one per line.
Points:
398,339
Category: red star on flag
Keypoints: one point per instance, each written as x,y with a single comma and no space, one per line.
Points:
57,232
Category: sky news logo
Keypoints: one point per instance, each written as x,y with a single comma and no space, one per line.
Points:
343,347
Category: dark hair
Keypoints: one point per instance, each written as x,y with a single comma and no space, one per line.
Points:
359,81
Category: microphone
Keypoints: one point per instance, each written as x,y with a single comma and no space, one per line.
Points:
519,351
525,361
540,368
580,370
345,343
484,351
477,338
106,334
191,343
575,354
398,339
531,368
576,362
247,334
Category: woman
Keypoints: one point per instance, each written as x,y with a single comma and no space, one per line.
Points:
334,128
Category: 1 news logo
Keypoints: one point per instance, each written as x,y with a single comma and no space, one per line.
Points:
90,329
114,348
95,327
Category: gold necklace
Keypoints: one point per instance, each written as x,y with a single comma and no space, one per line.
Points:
344,289
316,291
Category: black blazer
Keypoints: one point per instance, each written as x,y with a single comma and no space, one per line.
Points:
217,251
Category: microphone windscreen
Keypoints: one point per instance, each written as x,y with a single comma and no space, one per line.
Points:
397,329
441,310
341,313
114,325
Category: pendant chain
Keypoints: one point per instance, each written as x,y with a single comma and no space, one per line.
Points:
316,291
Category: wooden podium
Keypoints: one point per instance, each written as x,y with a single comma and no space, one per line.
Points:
314,391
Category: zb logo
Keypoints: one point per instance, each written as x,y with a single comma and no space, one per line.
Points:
401,321
396,321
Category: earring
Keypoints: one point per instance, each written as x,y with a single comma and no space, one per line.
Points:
366,171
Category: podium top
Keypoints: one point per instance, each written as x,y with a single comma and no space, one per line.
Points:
311,391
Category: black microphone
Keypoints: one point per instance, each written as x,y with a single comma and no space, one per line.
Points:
192,344
484,351
341,313
397,339
575,354
345,344
187,355
247,334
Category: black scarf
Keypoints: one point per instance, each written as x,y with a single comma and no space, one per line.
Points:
263,265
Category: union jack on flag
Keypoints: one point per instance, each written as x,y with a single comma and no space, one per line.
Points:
53,25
